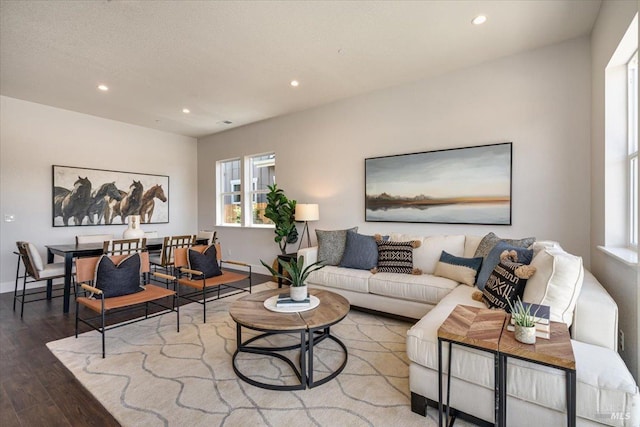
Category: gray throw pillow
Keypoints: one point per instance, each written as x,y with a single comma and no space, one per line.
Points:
493,259
331,245
490,240
361,252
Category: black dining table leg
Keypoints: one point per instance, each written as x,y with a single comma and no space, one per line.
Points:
68,268
50,281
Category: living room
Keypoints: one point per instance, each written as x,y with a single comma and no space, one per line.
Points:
549,101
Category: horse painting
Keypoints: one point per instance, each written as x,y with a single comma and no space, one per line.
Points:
75,203
100,199
130,203
148,202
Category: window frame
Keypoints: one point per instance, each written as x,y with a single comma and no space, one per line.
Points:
632,151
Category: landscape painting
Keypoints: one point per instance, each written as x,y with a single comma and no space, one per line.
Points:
470,185
83,196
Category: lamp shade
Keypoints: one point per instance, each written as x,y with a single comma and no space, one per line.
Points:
307,212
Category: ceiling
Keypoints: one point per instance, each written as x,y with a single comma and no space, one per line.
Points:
233,60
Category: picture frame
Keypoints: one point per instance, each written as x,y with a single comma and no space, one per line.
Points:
468,185
85,197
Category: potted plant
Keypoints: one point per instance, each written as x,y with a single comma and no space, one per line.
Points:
524,322
297,275
281,211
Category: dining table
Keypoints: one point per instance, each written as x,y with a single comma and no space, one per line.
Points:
70,251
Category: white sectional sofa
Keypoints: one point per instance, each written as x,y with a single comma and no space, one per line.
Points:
606,392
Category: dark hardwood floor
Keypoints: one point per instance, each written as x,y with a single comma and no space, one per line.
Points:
35,388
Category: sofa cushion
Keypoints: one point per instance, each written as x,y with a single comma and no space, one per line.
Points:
424,287
396,257
341,278
360,252
492,259
331,244
462,270
426,256
471,245
556,283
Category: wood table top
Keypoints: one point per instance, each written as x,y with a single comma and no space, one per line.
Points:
249,311
479,327
556,351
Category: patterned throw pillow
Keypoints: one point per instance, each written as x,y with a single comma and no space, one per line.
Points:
207,262
507,282
462,270
331,245
361,252
396,257
117,280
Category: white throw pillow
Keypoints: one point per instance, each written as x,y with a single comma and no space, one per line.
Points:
426,257
556,282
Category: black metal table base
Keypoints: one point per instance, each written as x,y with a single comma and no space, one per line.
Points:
308,339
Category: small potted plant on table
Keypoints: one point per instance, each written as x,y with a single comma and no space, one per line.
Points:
524,322
297,275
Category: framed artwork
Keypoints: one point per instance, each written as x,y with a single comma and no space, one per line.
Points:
470,185
82,196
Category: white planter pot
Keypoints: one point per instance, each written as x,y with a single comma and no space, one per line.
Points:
298,293
526,335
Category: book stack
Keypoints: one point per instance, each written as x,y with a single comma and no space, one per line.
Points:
284,300
541,314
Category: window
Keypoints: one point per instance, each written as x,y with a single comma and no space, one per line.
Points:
632,156
242,190
229,192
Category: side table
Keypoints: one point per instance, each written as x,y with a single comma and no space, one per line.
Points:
287,258
474,327
555,352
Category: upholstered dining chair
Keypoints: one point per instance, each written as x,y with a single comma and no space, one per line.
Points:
202,269
92,238
210,235
113,285
35,270
164,260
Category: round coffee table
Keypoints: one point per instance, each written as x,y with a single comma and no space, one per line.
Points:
312,325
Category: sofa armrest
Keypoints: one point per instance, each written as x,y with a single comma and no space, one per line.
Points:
310,255
595,319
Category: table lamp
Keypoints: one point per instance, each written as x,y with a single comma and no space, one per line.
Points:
306,213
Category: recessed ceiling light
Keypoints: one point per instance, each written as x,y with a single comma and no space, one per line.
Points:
479,20
294,83
103,88
186,110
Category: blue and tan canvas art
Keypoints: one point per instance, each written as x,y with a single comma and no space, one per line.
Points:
470,185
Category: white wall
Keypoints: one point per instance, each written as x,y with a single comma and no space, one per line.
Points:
33,137
539,100
620,279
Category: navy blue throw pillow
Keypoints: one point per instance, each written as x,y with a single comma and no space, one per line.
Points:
117,280
207,262
360,252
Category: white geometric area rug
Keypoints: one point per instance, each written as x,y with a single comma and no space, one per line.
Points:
154,376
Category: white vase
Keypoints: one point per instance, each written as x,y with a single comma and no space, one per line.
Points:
134,231
298,293
525,334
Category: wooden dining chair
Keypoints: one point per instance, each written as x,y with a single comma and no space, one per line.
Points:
165,260
101,304
209,235
35,270
202,286
124,246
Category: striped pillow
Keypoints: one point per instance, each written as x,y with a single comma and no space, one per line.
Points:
462,270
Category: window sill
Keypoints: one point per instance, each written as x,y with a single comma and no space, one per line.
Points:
236,226
624,255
